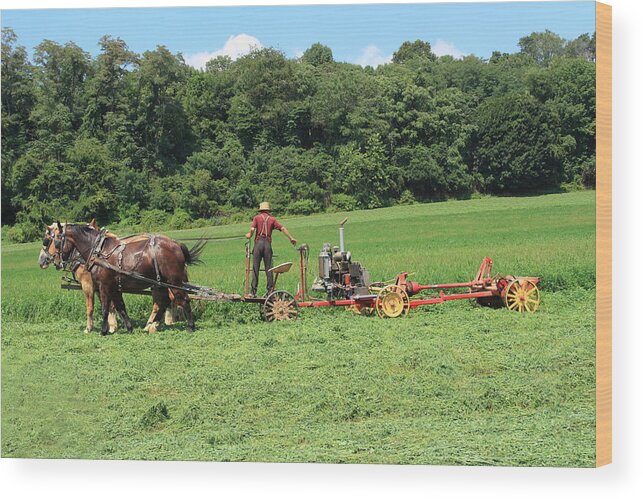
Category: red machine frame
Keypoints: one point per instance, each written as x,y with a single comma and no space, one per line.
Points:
393,300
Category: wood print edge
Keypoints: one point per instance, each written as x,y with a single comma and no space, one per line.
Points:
603,234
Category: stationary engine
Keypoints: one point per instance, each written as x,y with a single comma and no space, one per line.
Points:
340,277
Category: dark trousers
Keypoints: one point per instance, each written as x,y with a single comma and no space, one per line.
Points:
262,251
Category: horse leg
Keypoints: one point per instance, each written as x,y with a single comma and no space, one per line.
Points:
105,302
87,284
155,310
187,308
120,307
161,302
111,319
170,316
182,300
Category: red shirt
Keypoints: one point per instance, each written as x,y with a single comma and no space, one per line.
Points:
264,225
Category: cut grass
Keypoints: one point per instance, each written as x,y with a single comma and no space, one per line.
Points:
451,384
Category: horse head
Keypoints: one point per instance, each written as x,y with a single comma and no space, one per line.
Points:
48,249
56,248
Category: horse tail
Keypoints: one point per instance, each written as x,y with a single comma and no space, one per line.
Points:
193,255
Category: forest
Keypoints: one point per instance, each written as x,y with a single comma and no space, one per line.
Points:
145,141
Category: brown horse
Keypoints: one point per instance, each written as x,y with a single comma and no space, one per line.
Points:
84,277
118,267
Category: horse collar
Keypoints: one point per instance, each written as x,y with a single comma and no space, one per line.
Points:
96,248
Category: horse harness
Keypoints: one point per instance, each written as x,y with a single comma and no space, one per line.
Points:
96,257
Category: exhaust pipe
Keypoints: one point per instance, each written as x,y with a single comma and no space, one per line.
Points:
341,234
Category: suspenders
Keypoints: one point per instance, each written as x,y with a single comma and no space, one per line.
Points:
264,231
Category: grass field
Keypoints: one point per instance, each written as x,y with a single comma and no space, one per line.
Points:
450,384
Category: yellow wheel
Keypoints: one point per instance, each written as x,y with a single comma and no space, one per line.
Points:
279,306
522,295
392,301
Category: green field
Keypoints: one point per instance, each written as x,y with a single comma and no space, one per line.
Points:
451,384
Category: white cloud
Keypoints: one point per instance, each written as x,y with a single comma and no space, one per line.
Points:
236,46
442,47
372,56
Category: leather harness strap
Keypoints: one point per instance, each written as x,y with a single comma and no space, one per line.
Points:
100,240
156,264
119,251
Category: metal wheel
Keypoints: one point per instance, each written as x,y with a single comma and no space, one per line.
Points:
279,306
392,301
522,295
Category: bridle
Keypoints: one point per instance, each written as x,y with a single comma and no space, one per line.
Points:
46,244
59,246
58,241
75,256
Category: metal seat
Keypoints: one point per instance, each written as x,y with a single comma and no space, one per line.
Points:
282,268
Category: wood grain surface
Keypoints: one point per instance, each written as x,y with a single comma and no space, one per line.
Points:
603,234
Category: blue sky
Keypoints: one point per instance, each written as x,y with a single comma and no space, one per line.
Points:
365,34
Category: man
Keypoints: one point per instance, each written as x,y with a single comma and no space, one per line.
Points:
262,226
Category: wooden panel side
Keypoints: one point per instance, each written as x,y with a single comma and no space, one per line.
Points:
603,234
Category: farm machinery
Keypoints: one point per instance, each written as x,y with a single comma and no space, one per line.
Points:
346,283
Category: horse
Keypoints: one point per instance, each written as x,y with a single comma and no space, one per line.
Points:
77,266
145,261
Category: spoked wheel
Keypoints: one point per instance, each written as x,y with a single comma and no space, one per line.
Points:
279,306
522,295
392,301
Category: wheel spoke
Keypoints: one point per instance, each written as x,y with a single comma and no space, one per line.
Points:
514,305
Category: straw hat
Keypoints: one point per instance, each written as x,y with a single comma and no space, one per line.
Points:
265,206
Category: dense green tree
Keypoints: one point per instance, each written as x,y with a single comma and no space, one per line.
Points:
318,54
543,46
409,51
147,140
18,99
367,175
61,74
517,145
106,89
567,87
161,123
583,47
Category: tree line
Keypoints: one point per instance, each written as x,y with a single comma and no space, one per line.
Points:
144,140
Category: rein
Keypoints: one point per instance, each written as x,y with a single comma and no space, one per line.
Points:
59,246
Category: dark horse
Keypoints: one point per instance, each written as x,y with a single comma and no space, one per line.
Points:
119,267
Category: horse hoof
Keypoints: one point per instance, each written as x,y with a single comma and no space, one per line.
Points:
151,329
147,326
